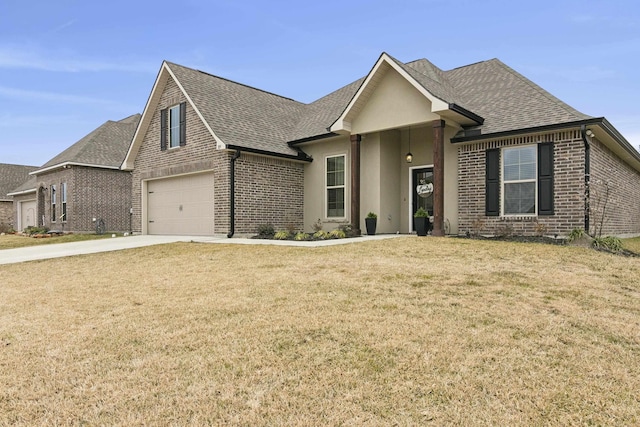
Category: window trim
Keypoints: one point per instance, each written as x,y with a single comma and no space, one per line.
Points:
327,187
504,182
170,127
53,202
63,201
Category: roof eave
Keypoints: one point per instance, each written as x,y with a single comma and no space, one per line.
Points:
301,156
21,192
65,165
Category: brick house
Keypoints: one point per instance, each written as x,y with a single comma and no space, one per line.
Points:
480,147
84,183
11,176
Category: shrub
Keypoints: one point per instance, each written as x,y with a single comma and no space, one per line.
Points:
317,226
281,235
321,235
541,229
338,233
32,229
421,213
266,230
372,215
348,230
610,243
575,234
505,230
301,236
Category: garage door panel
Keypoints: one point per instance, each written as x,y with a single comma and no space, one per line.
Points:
181,205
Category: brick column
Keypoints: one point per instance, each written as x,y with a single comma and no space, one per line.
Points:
438,178
355,182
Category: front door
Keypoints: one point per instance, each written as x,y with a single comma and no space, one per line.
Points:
422,188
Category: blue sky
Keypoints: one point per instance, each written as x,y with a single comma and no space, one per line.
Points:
67,66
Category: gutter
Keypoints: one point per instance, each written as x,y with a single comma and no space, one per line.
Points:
232,194
300,156
587,177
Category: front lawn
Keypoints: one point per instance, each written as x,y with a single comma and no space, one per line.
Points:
10,241
407,331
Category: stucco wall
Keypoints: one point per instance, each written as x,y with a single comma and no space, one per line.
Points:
17,200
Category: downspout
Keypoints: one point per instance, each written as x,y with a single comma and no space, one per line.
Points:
232,194
587,176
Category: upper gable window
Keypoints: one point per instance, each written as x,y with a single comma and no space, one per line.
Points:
173,126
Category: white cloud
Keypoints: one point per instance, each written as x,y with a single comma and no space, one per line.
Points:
32,57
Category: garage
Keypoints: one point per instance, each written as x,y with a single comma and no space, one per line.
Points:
27,214
181,205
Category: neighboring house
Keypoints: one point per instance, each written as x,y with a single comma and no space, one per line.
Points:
84,183
490,151
11,176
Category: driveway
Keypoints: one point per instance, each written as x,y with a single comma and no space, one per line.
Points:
32,253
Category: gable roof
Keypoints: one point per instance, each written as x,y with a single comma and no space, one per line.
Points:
12,176
104,147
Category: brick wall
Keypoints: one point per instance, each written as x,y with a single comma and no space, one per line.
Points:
615,190
198,155
91,193
6,213
268,191
568,187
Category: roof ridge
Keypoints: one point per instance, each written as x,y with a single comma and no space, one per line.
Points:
235,82
473,63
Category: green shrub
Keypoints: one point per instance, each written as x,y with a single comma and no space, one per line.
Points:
32,229
348,230
301,236
337,234
421,213
321,235
281,235
610,243
266,230
372,215
575,234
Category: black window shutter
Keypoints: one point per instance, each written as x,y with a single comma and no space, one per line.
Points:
163,129
545,178
492,195
183,124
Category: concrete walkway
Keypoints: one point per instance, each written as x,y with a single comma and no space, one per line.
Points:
59,250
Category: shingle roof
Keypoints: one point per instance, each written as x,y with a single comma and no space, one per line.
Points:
241,115
11,176
506,99
105,146
247,117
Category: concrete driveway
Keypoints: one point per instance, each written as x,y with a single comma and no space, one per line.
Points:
58,250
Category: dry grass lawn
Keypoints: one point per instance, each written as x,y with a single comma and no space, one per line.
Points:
408,331
10,241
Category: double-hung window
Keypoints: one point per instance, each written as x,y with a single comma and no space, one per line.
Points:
63,199
174,126
53,203
335,186
519,180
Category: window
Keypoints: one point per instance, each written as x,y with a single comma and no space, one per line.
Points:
335,186
63,198
519,180
53,203
173,125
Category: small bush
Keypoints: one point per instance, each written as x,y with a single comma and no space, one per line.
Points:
32,229
317,226
541,229
421,213
321,235
266,230
281,235
337,234
301,236
610,243
505,230
348,230
575,234
6,228
372,215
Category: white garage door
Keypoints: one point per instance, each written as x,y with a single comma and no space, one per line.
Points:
27,214
181,206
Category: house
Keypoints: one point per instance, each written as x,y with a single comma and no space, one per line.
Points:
11,176
481,147
83,184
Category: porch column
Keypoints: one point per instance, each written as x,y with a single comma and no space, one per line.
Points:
438,178
355,182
